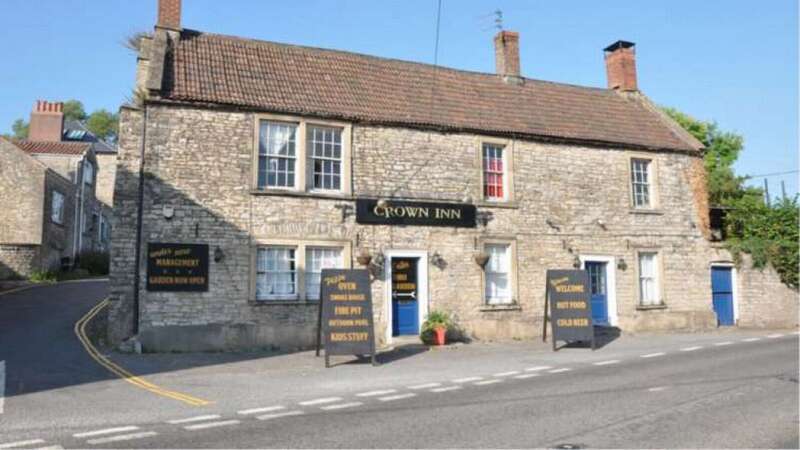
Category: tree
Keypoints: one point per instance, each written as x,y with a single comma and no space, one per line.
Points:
103,124
73,110
20,129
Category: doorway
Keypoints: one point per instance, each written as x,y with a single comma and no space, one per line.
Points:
406,305
722,295
602,285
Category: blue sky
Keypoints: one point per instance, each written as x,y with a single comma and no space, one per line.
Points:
732,61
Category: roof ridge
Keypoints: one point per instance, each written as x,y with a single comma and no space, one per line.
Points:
386,58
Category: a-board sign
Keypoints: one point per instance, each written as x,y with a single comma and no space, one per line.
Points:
398,212
570,306
346,313
177,267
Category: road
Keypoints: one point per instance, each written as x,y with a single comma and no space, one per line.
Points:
725,390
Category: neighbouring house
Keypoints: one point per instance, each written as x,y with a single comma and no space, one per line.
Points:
49,207
267,162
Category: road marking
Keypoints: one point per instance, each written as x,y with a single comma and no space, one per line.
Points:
526,376
773,336
341,406
425,386
752,339
121,437
565,369
374,393
80,331
485,382
49,447
281,414
657,388
605,363
446,389
319,401
22,443
506,374
105,431
245,412
467,379
537,368
2,385
653,355
17,289
397,397
202,426
720,344
691,349
194,419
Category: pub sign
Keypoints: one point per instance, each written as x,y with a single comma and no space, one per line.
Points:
346,313
570,306
177,267
397,212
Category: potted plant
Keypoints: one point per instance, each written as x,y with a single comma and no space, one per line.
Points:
434,329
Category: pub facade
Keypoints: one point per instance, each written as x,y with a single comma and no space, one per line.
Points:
456,190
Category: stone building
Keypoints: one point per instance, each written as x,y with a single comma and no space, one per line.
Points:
49,210
458,190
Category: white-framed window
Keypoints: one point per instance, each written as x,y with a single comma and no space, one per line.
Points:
649,292
88,172
318,258
498,282
277,155
325,157
494,172
276,273
57,208
640,182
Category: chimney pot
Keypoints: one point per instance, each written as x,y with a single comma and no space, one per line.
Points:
506,52
169,14
621,66
47,122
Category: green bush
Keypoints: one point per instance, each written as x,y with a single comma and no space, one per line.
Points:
43,277
435,319
96,263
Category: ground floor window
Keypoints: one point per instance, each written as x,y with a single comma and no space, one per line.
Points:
318,258
276,274
498,274
288,270
648,279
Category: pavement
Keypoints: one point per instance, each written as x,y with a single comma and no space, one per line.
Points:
727,389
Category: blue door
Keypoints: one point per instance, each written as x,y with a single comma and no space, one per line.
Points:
722,295
597,286
405,304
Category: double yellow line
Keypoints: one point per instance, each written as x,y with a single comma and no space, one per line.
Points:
80,331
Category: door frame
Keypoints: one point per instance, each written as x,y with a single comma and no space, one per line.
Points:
422,285
611,283
734,288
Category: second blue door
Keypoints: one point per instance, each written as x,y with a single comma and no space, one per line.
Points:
405,303
598,289
722,295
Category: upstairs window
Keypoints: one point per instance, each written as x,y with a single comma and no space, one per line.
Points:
494,176
88,173
498,274
640,183
57,208
325,154
277,155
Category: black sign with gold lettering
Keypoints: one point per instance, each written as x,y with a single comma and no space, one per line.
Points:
397,212
177,267
346,314
570,306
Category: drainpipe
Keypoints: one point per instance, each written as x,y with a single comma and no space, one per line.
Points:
139,214
76,235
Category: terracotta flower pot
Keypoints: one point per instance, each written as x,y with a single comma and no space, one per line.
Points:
438,335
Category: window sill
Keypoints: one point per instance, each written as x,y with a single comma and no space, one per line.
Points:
650,307
650,212
498,204
282,303
302,194
509,307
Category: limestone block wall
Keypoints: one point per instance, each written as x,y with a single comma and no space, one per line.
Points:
18,261
21,196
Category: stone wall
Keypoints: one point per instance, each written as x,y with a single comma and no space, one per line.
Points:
18,261
106,176
58,239
21,196
569,202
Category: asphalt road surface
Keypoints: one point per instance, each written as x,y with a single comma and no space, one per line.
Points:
726,391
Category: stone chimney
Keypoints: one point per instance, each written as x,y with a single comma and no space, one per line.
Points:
621,66
506,54
169,14
47,122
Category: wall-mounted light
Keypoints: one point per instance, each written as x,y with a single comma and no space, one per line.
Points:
438,261
383,203
347,210
219,255
576,262
601,223
481,258
484,217
622,265
364,257
168,211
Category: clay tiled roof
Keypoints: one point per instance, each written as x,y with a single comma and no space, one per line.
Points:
226,70
56,148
